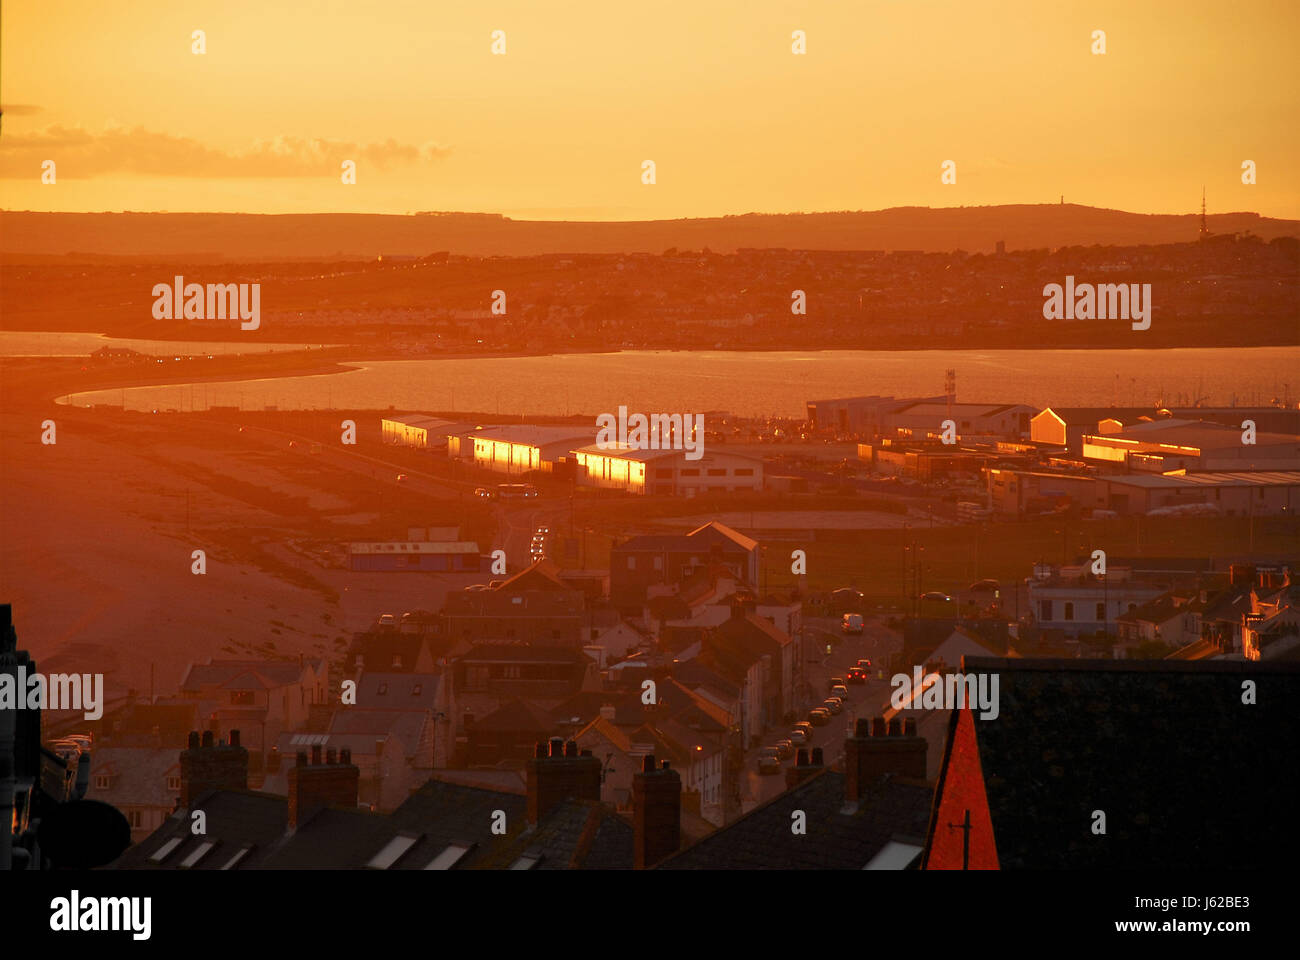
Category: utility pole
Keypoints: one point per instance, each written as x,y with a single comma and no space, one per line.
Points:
964,827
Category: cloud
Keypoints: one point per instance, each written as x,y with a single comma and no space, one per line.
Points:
81,154
20,109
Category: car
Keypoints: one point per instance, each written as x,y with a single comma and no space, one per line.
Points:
836,682
857,675
834,704
543,531
819,716
841,691
483,493
402,478
798,737
937,596
805,726
864,663
493,584
852,623
768,763
985,586
785,749
477,587
387,620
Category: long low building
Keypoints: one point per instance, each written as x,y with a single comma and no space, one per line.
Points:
523,449
416,556
1261,493
666,472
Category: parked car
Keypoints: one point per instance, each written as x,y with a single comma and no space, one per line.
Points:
387,620
769,763
784,749
836,682
483,493
852,623
834,704
840,690
402,478
985,586
805,726
819,716
936,595
798,737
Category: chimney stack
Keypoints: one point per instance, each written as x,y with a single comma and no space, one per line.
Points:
877,748
207,766
805,766
316,784
559,774
656,813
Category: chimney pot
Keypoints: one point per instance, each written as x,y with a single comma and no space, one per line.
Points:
301,759
909,726
539,750
862,727
801,758
557,746
234,738
648,763
315,754
331,757
207,738
817,756
895,727
571,748
194,740
345,755
877,726
666,766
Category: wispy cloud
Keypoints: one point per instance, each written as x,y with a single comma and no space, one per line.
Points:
81,154
20,109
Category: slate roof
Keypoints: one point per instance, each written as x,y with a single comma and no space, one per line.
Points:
516,716
235,819
1188,775
263,674
139,776
893,808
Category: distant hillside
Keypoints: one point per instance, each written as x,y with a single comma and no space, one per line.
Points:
252,236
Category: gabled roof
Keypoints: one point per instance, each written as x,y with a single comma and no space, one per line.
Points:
139,776
516,716
1188,775
245,674
713,530
891,809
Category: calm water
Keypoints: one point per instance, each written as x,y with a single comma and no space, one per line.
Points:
755,383
25,343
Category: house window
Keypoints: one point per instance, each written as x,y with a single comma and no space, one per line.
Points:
659,563
1044,609
173,783
631,563
745,472
691,473
664,473
101,781
1069,610
415,690
717,472
241,697
383,689
135,818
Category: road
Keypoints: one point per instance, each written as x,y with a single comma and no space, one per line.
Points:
877,643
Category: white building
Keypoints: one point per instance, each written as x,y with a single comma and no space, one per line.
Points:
666,472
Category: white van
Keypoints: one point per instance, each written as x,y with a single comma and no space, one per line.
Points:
852,623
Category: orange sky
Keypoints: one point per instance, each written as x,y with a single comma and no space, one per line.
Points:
558,127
